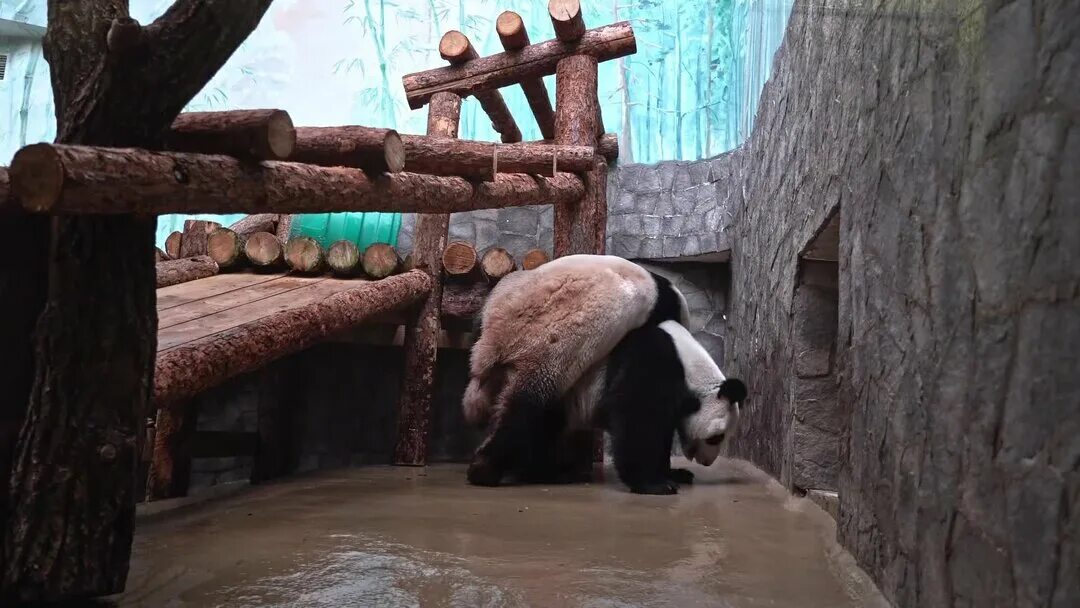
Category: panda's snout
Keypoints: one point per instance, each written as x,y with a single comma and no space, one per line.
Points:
716,439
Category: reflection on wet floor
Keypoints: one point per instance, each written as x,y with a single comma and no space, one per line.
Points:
383,536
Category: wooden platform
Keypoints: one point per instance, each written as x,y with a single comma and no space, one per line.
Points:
195,310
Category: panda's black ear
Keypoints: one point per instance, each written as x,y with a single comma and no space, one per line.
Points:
733,390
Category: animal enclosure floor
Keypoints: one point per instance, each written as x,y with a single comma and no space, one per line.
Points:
202,308
385,536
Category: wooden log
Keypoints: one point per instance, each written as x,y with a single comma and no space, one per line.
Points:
517,190
170,463
607,146
373,150
160,256
479,160
461,302
284,227
576,111
380,261
566,19
264,251
196,237
343,257
534,258
456,48
496,263
173,243
408,263
173,272
80,180
258,222
304,255
258,134
509,68
420,342
460,262
514,37
226,247
187,370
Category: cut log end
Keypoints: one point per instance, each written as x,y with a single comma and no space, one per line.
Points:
380,261
173,244
534,258
497,263
567,20
264,250
343,257
395,152
260,134
456,48
224,246
37,177
459,260
511,30
196,237
304,255
280,136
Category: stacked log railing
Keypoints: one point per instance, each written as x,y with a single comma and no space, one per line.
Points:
257,162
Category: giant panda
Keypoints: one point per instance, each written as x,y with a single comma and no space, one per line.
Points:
658,382
539,331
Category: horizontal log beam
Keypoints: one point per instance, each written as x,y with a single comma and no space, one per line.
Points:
259,134
478,159
514,37
371,149
607,146
456,49
174,272
187,370
75,180
509,68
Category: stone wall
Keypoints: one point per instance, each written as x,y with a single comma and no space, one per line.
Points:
947,134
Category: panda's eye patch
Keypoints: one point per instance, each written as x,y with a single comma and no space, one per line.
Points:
715,439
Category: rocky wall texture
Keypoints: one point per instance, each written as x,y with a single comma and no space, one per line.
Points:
948,136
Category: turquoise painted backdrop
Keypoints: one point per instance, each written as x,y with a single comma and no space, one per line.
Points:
690,91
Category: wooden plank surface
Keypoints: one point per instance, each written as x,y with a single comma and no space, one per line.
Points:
231,299
176,295
221,320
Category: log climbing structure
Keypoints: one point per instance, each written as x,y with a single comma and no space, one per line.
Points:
233,299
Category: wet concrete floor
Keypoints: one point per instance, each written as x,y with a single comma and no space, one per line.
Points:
384,536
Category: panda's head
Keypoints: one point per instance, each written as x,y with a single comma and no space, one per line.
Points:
710,411
711,417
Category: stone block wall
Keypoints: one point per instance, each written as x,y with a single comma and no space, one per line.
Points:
947,135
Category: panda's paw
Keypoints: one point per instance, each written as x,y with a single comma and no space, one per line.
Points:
682,477
660,488
481,473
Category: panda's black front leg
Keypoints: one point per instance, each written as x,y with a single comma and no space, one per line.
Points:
642,455
682,477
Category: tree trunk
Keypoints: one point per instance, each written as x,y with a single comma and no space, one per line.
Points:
343,257
183,270
576,224
196,237
69,531
185,371
380,261
421,340
374,151
506,69
514,37
170,461
252,134
304,255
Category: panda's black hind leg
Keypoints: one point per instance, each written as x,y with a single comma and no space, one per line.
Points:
682,477
664,488
516,441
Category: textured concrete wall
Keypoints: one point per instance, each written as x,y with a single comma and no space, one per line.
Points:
948,135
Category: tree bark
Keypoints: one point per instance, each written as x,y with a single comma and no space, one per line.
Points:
196,237
380,261
69,531
421,339
160,256
264,251
515,190
510,68
304,255
343,257
373,150
607,146
576,124
170,461
514,37
462,302
253,134
460,262
187,370
284,227
566,19
259,222
534,258
480,160
226,248
174,243
456,48
174,272
496,263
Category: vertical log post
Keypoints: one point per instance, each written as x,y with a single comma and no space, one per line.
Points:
512,34
170,464
580,227
422,333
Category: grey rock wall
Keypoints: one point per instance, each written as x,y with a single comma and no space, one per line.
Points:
948,135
